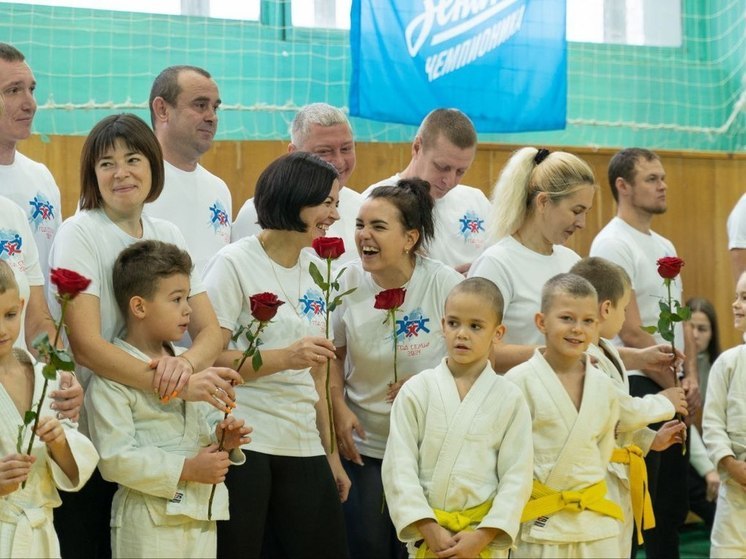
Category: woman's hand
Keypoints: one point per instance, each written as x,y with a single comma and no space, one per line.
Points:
214,385
310,351
394,388
68,399
171,375
340,477
345,422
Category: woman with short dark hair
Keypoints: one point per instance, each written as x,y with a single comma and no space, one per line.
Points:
288,490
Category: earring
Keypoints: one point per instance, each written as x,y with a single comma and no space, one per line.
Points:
406,251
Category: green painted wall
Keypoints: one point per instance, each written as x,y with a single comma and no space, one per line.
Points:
91,63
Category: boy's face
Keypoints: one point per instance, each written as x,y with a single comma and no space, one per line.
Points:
739,305
11,307
570,324
470,327
614,316
167,312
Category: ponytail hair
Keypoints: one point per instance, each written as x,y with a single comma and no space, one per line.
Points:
530,171
412,198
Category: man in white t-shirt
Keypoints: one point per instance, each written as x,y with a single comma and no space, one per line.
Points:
637,180
443,150
323,130
737,238
183,110
27,183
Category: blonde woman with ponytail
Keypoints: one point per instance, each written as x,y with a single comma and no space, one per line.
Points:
539,201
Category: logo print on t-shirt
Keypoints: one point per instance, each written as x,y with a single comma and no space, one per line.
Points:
41,210
471,224
312,304
411,325
218,216
10,243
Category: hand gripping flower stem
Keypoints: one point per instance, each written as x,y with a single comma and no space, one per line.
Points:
671,311
263,309
69,284
329,248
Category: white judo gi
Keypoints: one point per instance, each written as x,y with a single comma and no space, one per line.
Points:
648,409
452,455
572,449
26,528
724,433
143,445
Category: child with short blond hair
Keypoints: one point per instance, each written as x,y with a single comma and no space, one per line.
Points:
627,475
575,409
457,467
61,458
163,455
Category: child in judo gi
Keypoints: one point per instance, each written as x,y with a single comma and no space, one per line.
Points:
575,410
457,469
724,434
627,475
163,455
61,458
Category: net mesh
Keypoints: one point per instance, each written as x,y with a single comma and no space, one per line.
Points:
91,63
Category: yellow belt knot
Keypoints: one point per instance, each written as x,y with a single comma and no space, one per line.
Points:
458,521
545,501
642,504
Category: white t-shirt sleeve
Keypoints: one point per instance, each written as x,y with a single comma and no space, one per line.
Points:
737,225
617,251
245,224
75,250
489,267
224,288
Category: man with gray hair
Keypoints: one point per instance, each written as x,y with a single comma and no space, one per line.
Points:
323,130
442,152
183,111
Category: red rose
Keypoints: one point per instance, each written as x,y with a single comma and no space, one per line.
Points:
329,247
669,267
68,283
390,298
264,306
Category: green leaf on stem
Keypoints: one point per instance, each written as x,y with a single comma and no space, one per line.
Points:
256,361
683,311
237,334
41,344
318,279
649,329
61,360
49,371
664,307
339,275
28,417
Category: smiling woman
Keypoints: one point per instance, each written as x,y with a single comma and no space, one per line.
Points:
291,482
539,201
121,169
393,228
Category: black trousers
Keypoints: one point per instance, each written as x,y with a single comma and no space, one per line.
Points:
668,473
82,522
282,506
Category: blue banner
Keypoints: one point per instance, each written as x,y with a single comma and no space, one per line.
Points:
502,62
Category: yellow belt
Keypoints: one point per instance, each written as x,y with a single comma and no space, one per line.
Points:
457,521
642,505
546,501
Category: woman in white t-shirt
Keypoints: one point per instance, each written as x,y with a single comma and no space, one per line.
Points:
286,499
539,201
393,226
121,170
